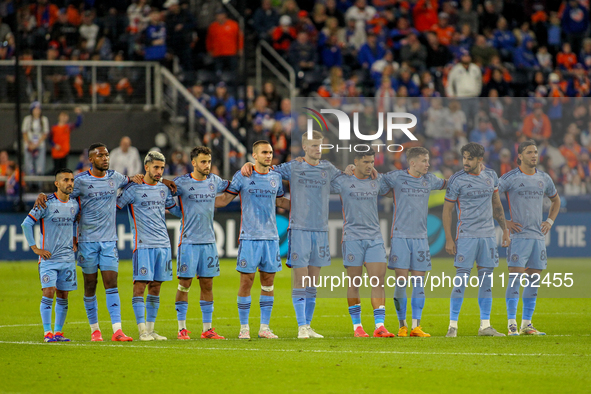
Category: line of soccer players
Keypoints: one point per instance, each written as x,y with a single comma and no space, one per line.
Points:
91,200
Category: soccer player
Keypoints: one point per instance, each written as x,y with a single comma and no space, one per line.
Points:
362,240
197,253
152,263
57,263
259,240
525,187
96,191
309,250
409,244
472,190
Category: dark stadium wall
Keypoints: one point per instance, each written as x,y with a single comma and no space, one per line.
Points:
106,126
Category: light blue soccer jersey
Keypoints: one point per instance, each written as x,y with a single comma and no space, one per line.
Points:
411,202
473,197
309,193
525,194
147,204
97,198
360,206
57,222
257,199
196,207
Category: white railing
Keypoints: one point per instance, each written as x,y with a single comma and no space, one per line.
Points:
172,90
289,82
36,83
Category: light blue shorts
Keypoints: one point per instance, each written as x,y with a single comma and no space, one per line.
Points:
482,250
152,264
263,255
410,254
527,253
355,253
95,255
200,260
59,275
308,248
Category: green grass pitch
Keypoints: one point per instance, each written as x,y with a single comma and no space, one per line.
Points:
558,362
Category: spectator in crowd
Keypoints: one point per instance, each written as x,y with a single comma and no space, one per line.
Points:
537,125
566,59
59,138
283,116
579,85
575,23
585,54
467,15
544,59
465,78
223,97
154,37
438,55
354,38
319,16
554,34
12,184
371,51
180,27
125,159
361,13
482,53
89,31
302,55
331,53
570,150
35,129
290,8
224,42
443,29
489,16
405,80
425,14
45,14
332,11
414,53
272,96
483,134
265,19
63,28
497,83
4,162
524,57
283,35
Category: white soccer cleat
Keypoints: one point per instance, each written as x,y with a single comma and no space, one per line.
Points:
144,336
489,332
157,337
530,330
267,333
452,332
313,334
244,334
302,332
513,330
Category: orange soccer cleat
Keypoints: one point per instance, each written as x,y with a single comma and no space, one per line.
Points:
96,336
119,336
382,332
184,334
403,331
418,332
360,333
211,334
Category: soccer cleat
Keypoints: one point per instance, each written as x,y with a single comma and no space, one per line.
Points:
312,333
59,337
267,333
360,333
144,336
403,331
530,330
452,332
418,332
184,334
211,334
382,332
303,332
96,336
157,337
49,338
119,336
489,332
244,334
513,330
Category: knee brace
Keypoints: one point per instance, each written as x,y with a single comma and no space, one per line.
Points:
183,289
268,289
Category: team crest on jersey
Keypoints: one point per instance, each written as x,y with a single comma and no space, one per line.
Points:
242,263
488,182
323,174
143,271
72,210
350,257
162,194
278,257
514,258
372,184
541,184
111,183
115,252
80,259
211,188
424,182
273,183
460,258
294,256
45,278
393,258
184,268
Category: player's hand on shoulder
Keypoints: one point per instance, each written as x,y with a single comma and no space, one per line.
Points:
374,174
450,246
41,252
513,227
138,178
40,203
299,159
350,168
246,169
170,184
